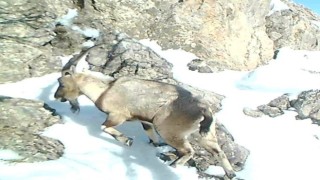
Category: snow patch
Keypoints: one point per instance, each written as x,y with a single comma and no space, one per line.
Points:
6,154
274,143
317,23
277,5
216,171
67,19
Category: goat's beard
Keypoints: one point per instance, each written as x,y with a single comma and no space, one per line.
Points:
75,108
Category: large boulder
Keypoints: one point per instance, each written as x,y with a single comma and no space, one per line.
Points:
307,105
26,25
21,124
296,27
226,34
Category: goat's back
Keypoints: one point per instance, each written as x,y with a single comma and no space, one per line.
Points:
148,99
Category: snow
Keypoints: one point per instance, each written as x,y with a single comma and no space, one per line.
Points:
7,154
67,20
277,5
317,23
88,32
280,148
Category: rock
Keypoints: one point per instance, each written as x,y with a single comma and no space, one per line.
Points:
236,154
270,111
21,124
26,26
297,28
199,65
205,28
281,102
274,108
307,105
128,57
253,112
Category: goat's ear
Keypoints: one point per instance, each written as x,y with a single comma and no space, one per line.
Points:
67,73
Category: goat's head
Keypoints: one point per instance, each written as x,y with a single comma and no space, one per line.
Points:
68,90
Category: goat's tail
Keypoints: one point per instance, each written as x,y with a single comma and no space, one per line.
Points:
205,124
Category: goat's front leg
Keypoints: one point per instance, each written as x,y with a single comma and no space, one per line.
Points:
108,127
153,138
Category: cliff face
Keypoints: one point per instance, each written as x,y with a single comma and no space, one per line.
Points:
296,27
228,35
237,35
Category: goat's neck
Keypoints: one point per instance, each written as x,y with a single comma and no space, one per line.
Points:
91,86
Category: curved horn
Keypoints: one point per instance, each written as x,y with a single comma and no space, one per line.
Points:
69,67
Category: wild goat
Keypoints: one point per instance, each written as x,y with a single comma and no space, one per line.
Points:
174,112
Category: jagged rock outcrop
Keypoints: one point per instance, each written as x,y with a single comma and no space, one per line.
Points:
274,108
25,26
21,122
296,27
307,105
199,65
225,34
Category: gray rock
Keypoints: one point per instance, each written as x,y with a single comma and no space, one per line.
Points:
199,65
201,27
270,111
21,122
294,28
127,57
26,25
274,108
307,105
253,112
281,102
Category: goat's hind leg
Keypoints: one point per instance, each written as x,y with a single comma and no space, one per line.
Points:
108,127
185,152
182,145
210,143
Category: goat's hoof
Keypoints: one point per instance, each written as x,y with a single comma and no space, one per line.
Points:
165,157
129,142
158,144
174,165
230,175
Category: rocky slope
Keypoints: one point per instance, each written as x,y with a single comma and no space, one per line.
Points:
21,124
295,27
224,35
